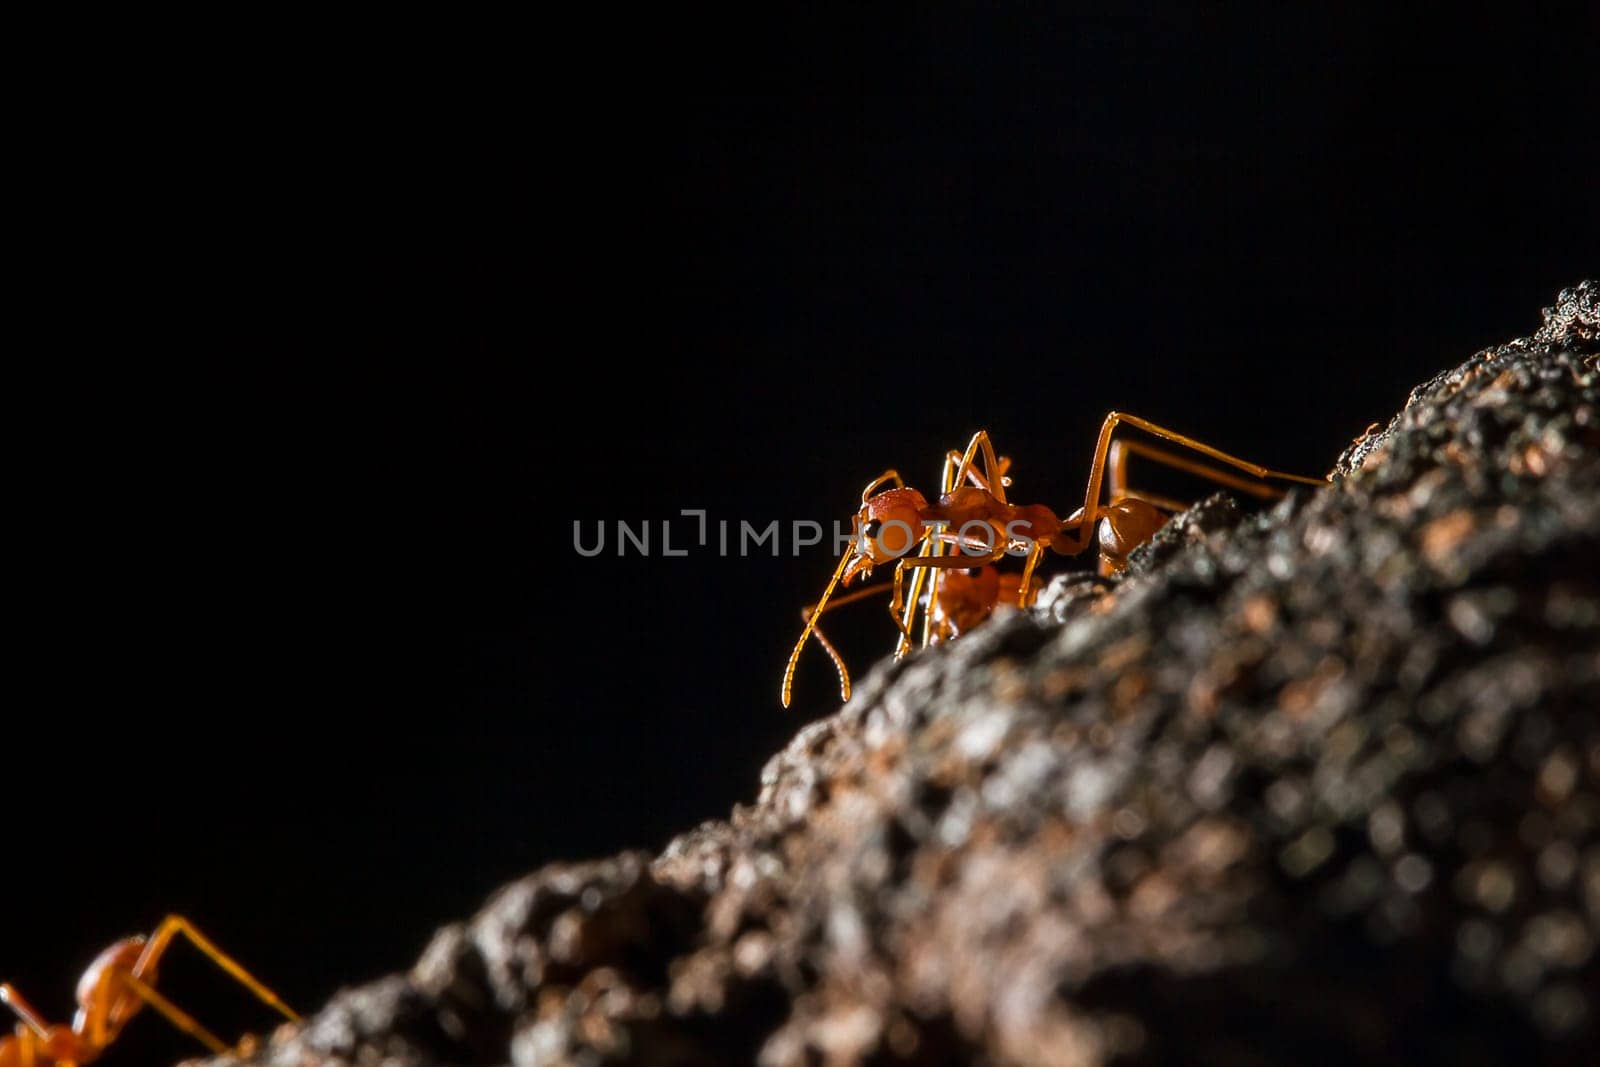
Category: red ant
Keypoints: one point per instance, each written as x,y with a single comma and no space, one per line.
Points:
958,602
985,525
115,988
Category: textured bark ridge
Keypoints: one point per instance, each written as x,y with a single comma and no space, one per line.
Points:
1317,785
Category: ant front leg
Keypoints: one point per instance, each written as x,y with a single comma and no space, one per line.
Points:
926,566
839,602
904,609
907,618
1035,551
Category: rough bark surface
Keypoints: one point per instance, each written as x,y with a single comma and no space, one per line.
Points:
1317,785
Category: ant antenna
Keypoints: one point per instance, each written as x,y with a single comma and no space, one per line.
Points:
811,623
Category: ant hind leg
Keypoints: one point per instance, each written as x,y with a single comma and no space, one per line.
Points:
994,471
169,1011
1082,522
1117,475
174,925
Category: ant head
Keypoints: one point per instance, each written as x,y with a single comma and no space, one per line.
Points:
96,982
888,526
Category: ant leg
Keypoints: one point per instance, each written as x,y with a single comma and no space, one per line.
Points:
173,925
952,463
960,560
904,609
1117,486
949,478
1255,469
1117,474
992,480
33,1037
932,574
172,1013
93,1022
1082,522
841,601
23,1010
908,619
890,475
932,548
993,472
1027,573
897,602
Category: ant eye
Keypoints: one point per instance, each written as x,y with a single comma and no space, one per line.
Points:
873,528
970,572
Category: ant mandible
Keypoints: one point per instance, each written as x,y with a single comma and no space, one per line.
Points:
1118,525
115,988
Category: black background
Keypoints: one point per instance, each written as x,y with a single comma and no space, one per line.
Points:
326,337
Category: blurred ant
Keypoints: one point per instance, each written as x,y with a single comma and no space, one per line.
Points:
974,517
115,988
